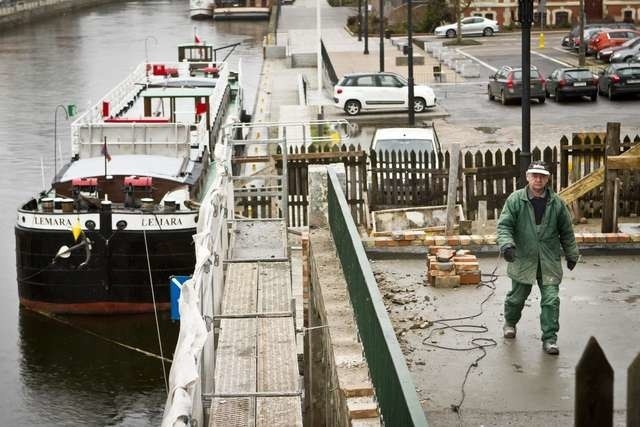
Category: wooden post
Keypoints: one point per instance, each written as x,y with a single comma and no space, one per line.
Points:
633,393
482,216
452,188
594,388
613,149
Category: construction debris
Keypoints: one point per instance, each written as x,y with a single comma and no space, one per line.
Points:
448,268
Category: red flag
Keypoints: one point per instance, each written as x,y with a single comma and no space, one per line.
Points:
195,36
105,152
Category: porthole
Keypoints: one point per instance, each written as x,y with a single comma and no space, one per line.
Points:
121,225
90,224
24,219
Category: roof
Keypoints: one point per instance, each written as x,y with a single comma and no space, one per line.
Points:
142,165
404,133
177,92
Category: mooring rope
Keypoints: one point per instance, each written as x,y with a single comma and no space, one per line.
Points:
155,310
102,337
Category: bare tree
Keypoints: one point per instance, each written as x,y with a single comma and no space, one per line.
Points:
459,6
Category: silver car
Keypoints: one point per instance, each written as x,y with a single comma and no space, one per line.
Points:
477,25
506,85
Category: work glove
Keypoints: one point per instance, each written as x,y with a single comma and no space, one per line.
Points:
509,253
571,264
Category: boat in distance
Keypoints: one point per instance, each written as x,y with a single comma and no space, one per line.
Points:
119,218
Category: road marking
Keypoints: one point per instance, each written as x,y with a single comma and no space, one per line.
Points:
473,58
557,61
568,52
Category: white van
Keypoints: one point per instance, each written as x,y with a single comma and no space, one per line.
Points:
407,139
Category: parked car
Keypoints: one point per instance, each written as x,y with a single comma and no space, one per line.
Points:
611,38
379,91
506,84
468,26
569,38
572,83
635,59
605,54
588,34
619,78
406,139
625,52
418,140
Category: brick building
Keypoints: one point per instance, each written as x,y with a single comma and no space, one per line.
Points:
560,13
557,12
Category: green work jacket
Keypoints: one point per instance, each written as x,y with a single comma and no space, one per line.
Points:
543,243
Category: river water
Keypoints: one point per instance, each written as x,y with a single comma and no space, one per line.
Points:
79,370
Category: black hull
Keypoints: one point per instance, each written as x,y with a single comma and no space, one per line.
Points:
116,278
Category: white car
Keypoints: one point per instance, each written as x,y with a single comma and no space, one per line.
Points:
379,91
406,139
471,25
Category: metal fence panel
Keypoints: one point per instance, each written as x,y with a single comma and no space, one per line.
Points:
394,387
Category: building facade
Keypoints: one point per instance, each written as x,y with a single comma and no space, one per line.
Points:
559,13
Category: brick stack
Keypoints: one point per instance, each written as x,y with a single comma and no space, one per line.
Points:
448,268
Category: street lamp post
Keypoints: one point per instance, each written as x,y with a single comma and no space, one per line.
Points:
359,20
525,17
55,136
366,27
410,100
381,31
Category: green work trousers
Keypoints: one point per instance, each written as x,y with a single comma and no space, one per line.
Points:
549,307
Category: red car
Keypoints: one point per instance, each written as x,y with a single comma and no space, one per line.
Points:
611,38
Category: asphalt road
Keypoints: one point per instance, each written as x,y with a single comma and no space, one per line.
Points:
476,121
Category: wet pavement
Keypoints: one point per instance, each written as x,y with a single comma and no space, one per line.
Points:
516,384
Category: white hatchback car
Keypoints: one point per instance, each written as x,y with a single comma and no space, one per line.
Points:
472,25
381,91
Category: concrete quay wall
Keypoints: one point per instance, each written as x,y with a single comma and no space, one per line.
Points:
19,12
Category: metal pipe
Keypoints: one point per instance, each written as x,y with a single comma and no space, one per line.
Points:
525,15
381,31
410,100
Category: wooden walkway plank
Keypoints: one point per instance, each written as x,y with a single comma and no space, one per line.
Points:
234,412
274,287
235,370
277,361
240,289
278,411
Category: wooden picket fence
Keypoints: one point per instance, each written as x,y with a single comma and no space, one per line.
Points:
396,179
583,154
594,389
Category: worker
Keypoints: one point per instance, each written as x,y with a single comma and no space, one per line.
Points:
533,227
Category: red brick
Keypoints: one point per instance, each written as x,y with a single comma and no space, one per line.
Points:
465,240
453,240
589,238
470,277
611,237
435,248
624,238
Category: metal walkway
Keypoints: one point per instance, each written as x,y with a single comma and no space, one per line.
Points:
256,374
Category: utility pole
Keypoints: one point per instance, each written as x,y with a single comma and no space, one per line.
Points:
381,31
583,48
366,27
525,17
410,100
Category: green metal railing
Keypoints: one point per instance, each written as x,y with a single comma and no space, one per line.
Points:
394,387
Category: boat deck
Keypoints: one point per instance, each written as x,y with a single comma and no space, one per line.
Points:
256,370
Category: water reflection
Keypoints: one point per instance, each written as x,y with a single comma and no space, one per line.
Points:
54,374
68,361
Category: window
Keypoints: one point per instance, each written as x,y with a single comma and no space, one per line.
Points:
628,16
562,18
365,81
388,81
488,16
